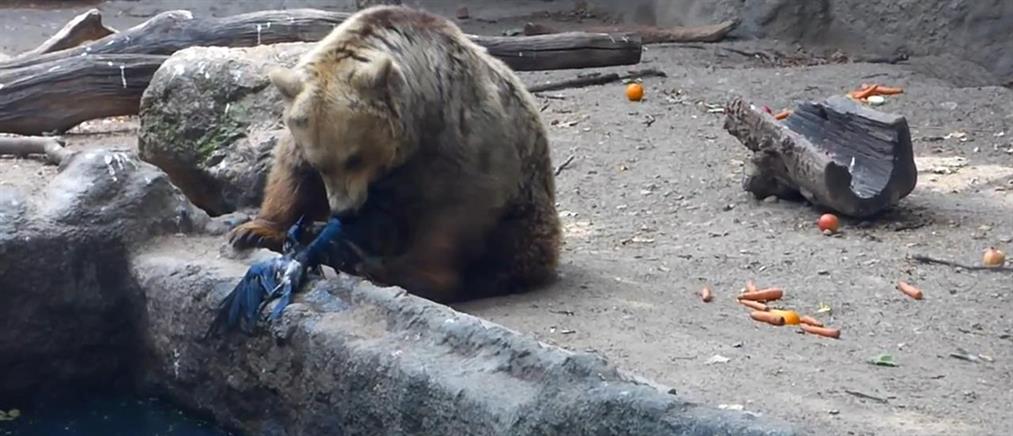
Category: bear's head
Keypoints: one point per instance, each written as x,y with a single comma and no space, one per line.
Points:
342,117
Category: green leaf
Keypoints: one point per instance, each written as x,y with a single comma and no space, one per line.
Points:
883,360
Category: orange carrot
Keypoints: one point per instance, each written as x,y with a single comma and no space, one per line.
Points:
763,295
865,93
886,90
755,305
810,321
750,286
782,115
706,295
909,290
854,94
767,317
821,331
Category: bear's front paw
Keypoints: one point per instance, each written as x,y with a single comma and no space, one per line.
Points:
257,234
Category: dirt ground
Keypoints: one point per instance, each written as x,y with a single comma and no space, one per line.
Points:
654,211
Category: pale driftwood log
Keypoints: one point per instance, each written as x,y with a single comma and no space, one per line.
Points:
836,153
171,31
56,96
49,146
83,28
652,34
38,95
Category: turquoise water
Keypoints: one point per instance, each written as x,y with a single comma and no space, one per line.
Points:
108,416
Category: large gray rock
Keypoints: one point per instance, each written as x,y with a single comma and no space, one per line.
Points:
210,119
13,205
115,189
70,315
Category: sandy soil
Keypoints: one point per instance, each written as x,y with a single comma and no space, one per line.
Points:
653,212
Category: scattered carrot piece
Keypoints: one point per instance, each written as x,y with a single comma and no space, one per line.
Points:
755,305
782,115
821,331
790,316
867,90
909,290
886,90
864,93
767,317
750,286
769,294
810,321
706,295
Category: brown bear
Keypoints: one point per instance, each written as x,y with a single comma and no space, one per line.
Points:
430,151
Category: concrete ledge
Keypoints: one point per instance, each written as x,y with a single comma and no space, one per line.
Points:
352,358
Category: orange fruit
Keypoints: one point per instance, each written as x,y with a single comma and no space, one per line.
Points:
828,221
993,258
790,316
635,91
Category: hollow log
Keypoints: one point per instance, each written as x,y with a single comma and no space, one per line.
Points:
83,28
38,94
836,153
56,96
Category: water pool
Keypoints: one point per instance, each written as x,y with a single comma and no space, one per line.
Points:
108,416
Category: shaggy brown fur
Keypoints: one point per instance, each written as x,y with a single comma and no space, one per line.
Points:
430,150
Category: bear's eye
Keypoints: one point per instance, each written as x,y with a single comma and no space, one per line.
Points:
353,162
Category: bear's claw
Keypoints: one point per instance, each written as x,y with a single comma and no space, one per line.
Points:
257,234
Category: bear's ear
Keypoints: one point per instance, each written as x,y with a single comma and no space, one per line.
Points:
287,82
379,74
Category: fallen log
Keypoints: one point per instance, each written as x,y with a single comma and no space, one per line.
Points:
49,146
37,95
835,153
83,28
563,51
171,31
652,34
594,79
54,97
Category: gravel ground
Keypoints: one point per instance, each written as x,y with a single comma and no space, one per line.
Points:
654,211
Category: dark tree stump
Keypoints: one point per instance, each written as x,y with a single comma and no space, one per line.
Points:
836,153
